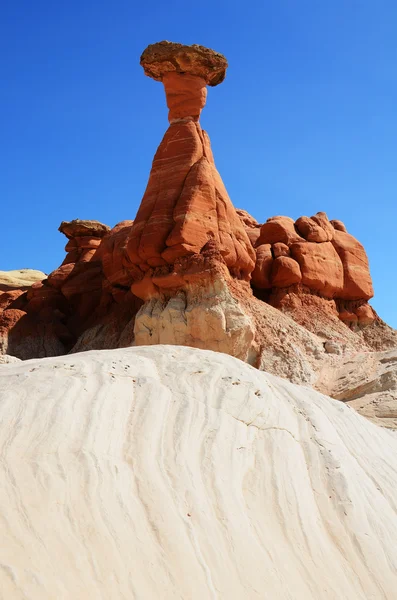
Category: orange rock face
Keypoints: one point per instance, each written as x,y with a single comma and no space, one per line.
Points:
357,279
84,239
311,231
278,229
365,314
186,95
320,255
251,226
185,204
285,272
321,267
280,249
338,225
262,274
112,253
170,57
185,72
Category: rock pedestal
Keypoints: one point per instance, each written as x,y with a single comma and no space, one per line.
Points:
186,211
185,204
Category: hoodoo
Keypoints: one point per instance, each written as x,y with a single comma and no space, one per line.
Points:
185,205
187,241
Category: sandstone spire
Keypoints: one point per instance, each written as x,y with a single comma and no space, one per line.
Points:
185,205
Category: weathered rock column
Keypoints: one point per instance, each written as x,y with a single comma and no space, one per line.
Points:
185,72
187,242
185,204
186,96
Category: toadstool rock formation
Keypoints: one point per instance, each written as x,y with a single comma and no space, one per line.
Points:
187,239
185,204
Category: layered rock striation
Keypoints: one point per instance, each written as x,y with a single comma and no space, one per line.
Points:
169,472
187,240
185,206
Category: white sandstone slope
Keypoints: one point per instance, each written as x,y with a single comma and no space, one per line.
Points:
163,472
19,279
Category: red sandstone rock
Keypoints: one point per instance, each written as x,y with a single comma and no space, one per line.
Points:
285,272
171,280
75,291
321,267
322,221
87,255
121,225
253,235
316,228
115,265
169,226
186,96
310,230
279,229
280,249
365,315
145,288
57,278
247,219
87,241
72,257
78,227
41,295
8,298
348,317
84,279
170,57
8,319
261,275
84,238
71,245
338,225
185,72
185,204
251,225
357,282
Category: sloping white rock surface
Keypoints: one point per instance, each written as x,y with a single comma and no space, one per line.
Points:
162,472
368,382
22,278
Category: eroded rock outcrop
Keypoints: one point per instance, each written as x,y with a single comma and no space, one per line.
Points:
184,271
187,240
185,204
49,317
313,256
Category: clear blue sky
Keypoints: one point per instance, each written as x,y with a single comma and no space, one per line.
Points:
305,120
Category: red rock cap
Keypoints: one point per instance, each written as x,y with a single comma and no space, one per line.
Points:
167,57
